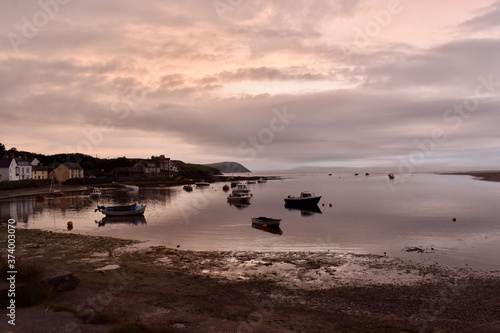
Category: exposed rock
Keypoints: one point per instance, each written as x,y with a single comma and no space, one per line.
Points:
65,282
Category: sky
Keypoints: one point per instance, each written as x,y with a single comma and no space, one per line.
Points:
394,84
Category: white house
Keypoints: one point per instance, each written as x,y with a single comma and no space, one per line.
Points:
23,169
8,168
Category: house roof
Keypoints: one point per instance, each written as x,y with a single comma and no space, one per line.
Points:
74,166
22,162
5,162
41,168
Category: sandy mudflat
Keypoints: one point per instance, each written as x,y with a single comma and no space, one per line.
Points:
171,290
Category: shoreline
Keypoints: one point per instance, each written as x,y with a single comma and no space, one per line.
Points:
42,190
490,176
172,290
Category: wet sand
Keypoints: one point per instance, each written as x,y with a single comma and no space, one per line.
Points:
171,290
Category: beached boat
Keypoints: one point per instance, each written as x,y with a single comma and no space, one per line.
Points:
270,222
53,193
241,188
127,210
238,197
306,198
188,188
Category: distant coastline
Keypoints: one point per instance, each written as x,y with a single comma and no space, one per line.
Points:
490,176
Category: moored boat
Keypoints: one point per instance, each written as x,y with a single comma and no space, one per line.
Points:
268,221
202,184
95,192
391,176
188,188
132,188
306,198
238,197
241,188
127,210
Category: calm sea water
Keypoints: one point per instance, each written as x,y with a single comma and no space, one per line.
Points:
368,214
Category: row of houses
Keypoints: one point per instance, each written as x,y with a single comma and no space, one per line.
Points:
14,169
156,166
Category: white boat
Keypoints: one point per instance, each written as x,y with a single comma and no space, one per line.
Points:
132,188
306,198
262,180
238,197
251,182
241,188
127,210
95,192
270,222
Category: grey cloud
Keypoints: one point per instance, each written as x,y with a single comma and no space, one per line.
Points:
488,20
94,56
268,74
453,65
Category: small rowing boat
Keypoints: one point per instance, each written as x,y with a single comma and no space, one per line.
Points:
127,210
270,222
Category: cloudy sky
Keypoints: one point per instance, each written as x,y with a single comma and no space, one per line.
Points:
271,84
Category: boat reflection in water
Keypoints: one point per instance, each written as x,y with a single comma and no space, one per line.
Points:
272,229
305,210
134,220
239,205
